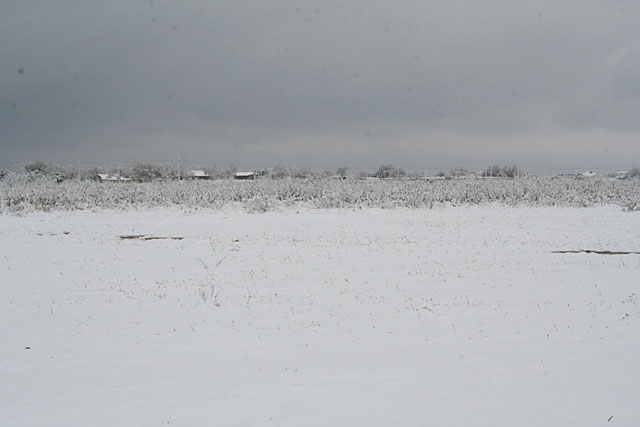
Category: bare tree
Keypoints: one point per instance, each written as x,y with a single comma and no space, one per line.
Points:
145,172
280,172
458,172
390,171
38,168
493,170
510,171
633,173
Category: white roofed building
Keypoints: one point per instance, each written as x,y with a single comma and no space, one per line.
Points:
198,174
244,175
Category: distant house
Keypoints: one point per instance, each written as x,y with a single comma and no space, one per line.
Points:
198,174
244,175
589,174
105,177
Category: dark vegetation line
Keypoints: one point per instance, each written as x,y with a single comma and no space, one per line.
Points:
589,251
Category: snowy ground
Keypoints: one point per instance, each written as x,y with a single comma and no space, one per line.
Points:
450,316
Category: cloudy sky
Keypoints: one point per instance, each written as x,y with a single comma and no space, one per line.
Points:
423,84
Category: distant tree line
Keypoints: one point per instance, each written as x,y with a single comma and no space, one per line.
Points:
147,172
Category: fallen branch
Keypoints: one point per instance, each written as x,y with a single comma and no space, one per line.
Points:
162,238
145,237
589,251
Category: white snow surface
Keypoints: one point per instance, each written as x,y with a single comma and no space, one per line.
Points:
450,316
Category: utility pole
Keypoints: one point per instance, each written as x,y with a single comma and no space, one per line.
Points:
178,168
294,169
78,169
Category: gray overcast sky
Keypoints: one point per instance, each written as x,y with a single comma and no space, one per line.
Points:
543,84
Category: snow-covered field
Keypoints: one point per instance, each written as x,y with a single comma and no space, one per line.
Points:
303,317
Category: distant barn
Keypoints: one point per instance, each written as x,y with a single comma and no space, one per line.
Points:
244,175
197,174
104,177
